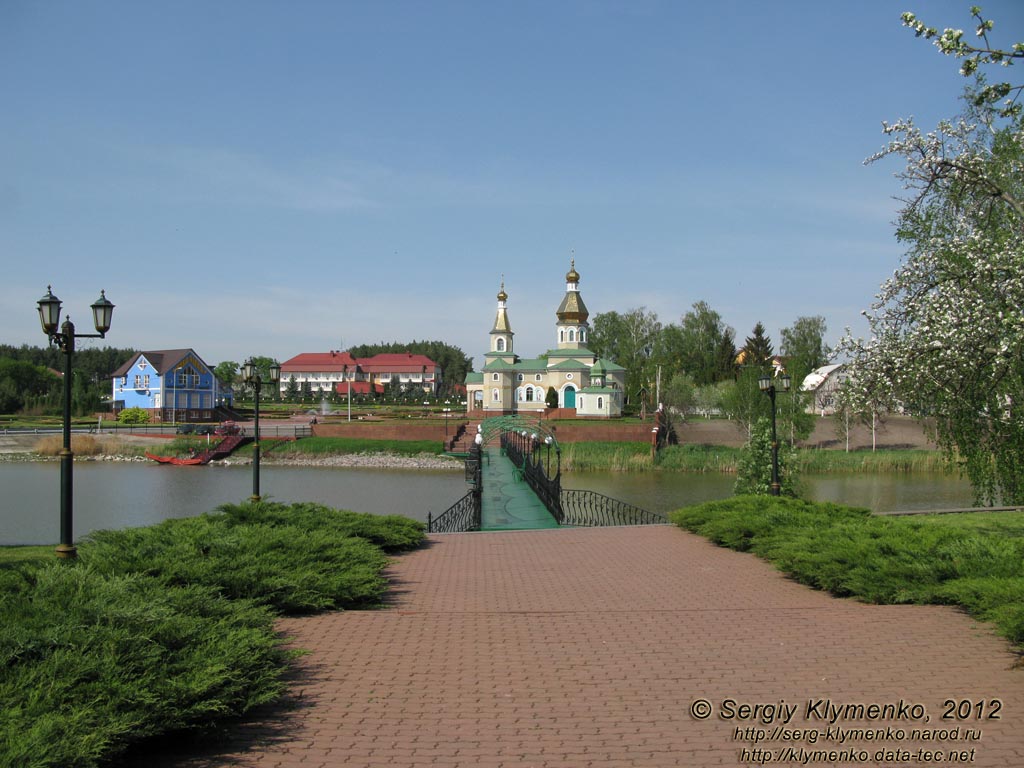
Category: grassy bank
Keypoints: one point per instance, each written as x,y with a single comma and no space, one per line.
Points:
170,629
332,446
975,561
616,457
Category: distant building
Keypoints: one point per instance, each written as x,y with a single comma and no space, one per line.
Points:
172,384
323,372
582,382
824,382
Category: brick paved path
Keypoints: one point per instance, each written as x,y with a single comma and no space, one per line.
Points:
587,648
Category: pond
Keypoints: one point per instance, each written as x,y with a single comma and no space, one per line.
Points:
115,495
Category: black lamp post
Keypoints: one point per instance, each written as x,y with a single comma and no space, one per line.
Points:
767,385
251,376
64,338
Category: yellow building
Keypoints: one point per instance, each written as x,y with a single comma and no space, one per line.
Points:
583,382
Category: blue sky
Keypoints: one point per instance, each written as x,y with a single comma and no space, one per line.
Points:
257,178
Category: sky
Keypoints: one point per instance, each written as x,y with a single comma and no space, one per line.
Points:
271,178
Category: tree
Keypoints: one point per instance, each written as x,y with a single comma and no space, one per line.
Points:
702,346
803,345
227,372
551,398
757,349
629,340
946,331
754,466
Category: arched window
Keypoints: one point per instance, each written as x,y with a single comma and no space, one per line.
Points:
494,395
529,394
600,403
572,335
561,335
494,377
501,344
583,334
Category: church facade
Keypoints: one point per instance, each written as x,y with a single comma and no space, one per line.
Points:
582,382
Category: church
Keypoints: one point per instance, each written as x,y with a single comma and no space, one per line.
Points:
584,383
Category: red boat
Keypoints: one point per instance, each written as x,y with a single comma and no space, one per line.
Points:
175,460
219,451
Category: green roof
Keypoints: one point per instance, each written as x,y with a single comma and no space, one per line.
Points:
475,377
499,365
581,352
569,365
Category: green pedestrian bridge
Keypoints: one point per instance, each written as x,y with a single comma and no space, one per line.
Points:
514,471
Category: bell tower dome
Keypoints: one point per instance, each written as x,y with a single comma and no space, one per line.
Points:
501,333
572,327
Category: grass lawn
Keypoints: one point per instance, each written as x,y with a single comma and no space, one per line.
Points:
972,560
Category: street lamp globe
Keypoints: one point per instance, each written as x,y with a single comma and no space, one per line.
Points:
102,313
49,312
764,382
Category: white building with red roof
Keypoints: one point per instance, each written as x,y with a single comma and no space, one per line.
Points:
339,371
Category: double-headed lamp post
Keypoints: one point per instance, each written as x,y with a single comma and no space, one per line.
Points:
767,385
64,338
251,376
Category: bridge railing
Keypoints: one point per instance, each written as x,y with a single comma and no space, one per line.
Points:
589,508
462,516
531,462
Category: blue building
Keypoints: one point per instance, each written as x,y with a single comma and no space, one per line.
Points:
172,384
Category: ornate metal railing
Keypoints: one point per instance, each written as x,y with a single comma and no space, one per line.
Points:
534,462
463,515
589,508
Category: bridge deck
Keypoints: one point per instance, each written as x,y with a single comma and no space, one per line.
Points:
508,503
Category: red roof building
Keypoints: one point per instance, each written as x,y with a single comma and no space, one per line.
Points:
327,371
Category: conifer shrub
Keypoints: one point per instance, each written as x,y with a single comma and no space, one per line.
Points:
92,663
392,533
292,569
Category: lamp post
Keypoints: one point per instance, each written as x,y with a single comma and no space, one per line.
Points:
251,376
767,385
64,338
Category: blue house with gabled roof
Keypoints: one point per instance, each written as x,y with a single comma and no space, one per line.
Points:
172,384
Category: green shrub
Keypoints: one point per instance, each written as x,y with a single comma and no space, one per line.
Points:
392,533
92,663
133,416
292,569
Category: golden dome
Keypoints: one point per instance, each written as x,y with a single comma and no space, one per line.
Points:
502,296
572,276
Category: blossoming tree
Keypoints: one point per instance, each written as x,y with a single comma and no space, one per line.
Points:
947,329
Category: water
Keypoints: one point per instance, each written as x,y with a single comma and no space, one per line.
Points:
115,495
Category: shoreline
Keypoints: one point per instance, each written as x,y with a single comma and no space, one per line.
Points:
352,460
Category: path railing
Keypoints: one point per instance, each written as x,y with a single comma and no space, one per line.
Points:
463,515
589,508
530,459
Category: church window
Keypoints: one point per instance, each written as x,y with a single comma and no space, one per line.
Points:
494,377
572,335
519,377
561,335
568,375
538,377
583,334
529,394
494,395
501,345
600,403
